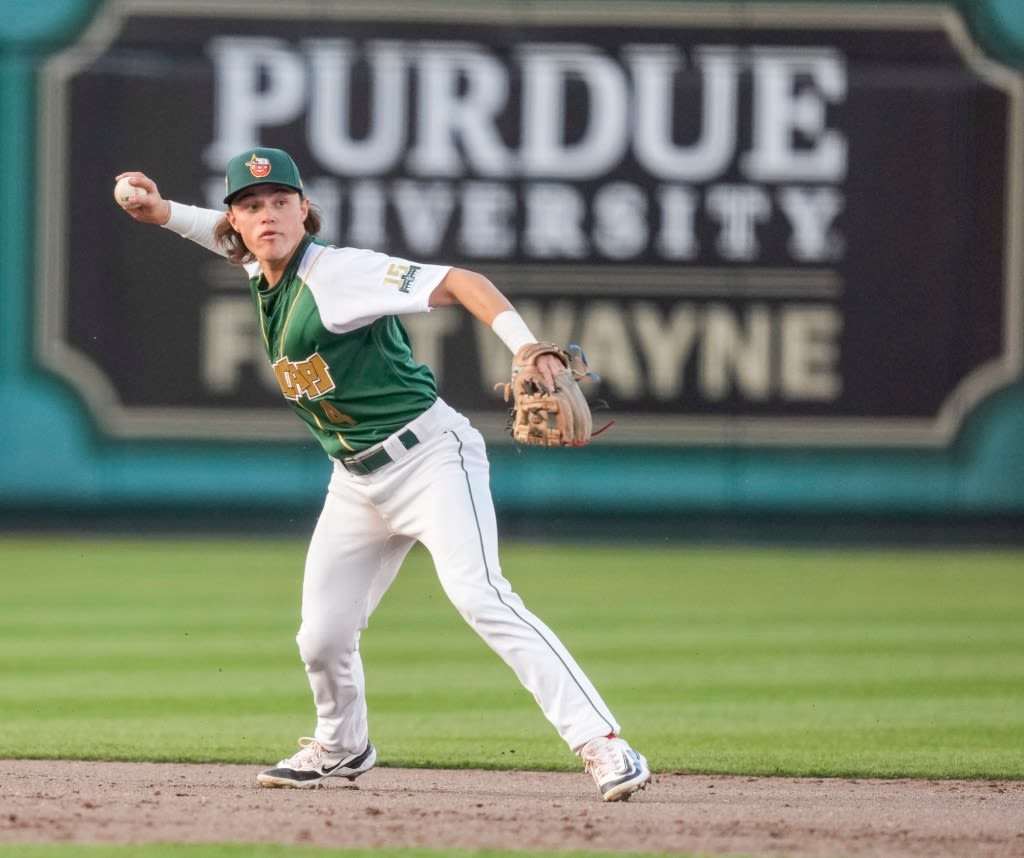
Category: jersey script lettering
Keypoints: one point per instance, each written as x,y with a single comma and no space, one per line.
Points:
310,377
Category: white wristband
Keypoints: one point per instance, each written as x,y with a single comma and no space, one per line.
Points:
509,325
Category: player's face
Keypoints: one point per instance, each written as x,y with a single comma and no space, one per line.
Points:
269,218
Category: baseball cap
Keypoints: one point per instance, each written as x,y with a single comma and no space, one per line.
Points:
260,166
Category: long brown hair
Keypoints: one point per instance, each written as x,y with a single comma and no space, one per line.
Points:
238,254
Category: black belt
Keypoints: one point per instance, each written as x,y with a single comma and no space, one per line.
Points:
367,463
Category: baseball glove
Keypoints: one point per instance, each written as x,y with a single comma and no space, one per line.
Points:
548,418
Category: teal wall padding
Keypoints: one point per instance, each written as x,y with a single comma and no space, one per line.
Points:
52,457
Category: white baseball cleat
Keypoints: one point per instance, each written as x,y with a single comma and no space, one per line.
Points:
618,770
314,763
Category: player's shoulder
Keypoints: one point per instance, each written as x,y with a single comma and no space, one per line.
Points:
320,258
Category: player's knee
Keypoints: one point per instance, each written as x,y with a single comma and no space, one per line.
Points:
320,645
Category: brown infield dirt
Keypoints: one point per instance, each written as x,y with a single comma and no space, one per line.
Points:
86,802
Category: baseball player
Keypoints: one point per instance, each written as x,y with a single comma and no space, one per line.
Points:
407,467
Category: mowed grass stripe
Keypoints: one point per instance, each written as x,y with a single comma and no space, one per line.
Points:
718,660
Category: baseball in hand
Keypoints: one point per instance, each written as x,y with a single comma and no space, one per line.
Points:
124,190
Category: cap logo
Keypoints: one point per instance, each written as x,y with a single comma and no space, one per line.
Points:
258,167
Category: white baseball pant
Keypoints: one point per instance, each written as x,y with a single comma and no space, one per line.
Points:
436,493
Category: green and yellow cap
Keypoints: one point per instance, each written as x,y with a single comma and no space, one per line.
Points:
261,166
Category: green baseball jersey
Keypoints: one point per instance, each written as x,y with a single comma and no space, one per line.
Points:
340,354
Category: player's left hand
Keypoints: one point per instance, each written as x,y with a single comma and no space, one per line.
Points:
549,367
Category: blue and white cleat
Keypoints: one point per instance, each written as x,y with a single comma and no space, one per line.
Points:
618,770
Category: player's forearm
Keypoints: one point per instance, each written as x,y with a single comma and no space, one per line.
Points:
195,224
487,303
474,292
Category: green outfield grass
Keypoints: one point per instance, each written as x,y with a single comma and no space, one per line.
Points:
795,662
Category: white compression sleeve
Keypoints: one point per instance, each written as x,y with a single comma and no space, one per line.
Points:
196,224
514,333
